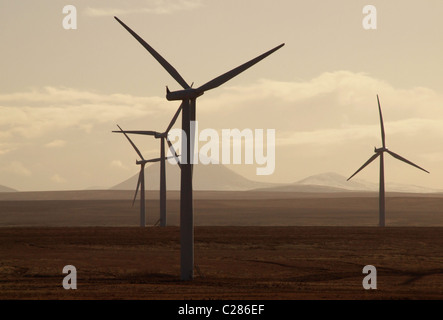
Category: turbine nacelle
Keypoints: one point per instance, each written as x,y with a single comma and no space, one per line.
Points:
185,94
143,162
380,150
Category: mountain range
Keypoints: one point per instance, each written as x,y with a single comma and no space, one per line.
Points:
334,182
6,189
206,177
219,177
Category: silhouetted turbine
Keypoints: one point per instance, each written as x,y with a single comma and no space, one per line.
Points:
379,152
188,97
141,180
162,136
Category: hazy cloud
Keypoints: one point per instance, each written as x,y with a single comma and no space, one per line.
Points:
58,179
311,117
55,144
118,164
347,134
342,106
17,168
150,7
4,149
342,88
40,111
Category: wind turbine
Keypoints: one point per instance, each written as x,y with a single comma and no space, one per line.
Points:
141,180
188,96
162,136
380,153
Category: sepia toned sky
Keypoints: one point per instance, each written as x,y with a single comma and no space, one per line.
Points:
62,92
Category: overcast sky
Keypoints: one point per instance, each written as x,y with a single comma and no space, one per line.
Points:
62,92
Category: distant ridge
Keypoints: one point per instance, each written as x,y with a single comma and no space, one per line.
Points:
206,177
334,182
297,188
6,189
221,178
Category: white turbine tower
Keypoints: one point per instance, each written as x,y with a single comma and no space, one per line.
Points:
380,153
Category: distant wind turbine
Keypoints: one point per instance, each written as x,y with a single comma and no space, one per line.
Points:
162,136
188,96
379,153
141,180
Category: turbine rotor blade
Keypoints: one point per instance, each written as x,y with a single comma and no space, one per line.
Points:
154,160
234,72
174,119
405,160
132,143
168,67
366,163
383,138
146,133
149,161
171,148
138,184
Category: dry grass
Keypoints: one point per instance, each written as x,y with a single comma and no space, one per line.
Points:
235,263
247,246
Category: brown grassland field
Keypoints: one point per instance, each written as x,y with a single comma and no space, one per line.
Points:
248,245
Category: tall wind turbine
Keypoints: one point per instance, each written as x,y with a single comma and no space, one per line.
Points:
162,136
380,153
188,96
141,180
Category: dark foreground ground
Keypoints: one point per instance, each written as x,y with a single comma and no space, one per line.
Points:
233,262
